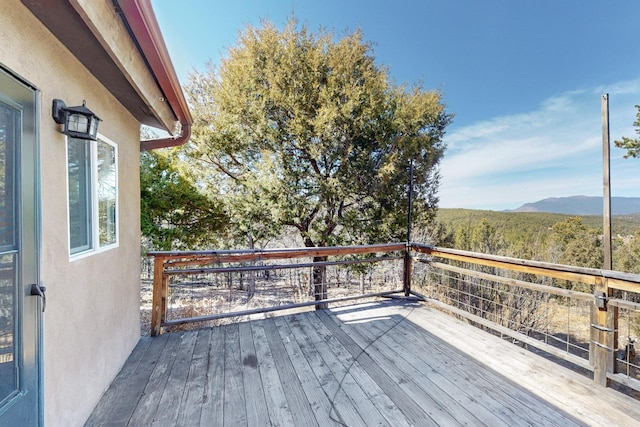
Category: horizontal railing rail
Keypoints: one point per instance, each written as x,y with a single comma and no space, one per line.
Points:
178,258
615,279
278,266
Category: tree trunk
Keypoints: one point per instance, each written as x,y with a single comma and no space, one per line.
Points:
319,283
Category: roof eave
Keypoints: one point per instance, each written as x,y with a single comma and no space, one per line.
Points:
146,31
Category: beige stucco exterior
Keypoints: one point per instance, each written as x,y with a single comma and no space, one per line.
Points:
91,322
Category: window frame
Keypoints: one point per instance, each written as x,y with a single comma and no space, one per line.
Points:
94,245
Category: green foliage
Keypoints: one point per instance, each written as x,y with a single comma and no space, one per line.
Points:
304,131
543,236
486,238
578,245
175,214
632,145
627,254
479,236
530,226
436,234
567,231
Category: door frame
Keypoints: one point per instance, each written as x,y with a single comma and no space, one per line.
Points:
29,184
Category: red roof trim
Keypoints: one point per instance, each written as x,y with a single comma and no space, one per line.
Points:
144,26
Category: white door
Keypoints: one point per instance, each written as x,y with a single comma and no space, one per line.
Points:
20,311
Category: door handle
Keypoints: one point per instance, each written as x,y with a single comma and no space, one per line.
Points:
40,291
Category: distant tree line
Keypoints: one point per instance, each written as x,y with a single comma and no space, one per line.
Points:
553,238
556,238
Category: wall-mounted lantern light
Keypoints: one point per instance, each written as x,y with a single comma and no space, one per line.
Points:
79,122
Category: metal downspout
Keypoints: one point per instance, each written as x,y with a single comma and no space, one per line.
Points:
153,144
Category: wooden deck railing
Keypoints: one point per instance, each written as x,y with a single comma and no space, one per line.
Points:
167,264
603,300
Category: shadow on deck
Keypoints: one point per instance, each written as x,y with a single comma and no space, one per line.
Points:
393,363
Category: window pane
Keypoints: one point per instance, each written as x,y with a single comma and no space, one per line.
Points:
8,324
9,338
79,162
8,121
107,193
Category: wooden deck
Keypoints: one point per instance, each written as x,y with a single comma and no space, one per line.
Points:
389,363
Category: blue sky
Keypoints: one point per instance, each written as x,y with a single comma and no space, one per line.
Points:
523,78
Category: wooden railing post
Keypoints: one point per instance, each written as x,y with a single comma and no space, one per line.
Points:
603,333
158,304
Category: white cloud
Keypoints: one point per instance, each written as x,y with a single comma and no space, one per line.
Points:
553,151
628,87
511,194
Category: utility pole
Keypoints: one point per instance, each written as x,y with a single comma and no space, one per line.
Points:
604,317
606,196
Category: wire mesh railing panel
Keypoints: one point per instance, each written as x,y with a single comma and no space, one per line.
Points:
195,295
557,321
199,288
627,361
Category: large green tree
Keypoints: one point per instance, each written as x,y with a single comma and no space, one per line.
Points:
305,130
632,145
175,213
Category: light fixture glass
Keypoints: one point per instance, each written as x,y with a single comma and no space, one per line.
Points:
79,121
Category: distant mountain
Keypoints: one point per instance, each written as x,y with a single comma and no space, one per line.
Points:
582,205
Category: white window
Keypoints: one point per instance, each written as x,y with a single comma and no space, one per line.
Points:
92,171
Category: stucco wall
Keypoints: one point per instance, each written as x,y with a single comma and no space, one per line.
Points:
91,322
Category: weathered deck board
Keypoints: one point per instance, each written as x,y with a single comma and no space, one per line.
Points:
167,412
275,395
314,376
410,358
333,357
212,401
559,387
132,376
510,404
461,371
397,385
234,408
191,404
389,364
485,398
257,413
147,403
300,409
431,360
